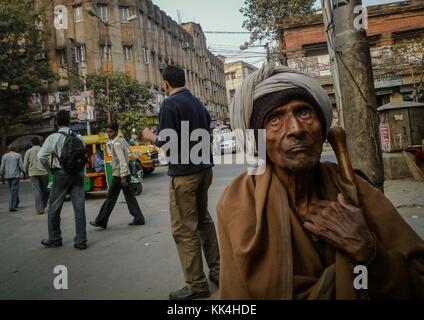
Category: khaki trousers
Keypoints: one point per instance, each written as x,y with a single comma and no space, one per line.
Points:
193,227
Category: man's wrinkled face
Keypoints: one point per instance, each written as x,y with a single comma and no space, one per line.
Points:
294,136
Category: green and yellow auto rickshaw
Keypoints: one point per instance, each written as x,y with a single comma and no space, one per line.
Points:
98,173
99,167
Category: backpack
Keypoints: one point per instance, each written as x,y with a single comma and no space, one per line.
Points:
73,158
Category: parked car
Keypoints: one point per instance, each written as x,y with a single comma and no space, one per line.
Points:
228,143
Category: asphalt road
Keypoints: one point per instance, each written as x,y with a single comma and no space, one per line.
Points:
122,262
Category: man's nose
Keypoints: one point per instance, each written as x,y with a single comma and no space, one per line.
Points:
294,126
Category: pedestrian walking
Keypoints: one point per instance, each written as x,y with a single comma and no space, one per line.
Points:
121,178
38,175
63,154
192,225
10,170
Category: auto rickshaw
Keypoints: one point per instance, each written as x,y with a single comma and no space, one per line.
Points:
99,167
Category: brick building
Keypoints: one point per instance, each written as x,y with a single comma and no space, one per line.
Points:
304,44
140,46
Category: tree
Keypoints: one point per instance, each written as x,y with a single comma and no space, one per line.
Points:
131,121
128,97
265,16
24,69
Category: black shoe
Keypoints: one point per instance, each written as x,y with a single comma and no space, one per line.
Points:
51,243
187,294
81,246
13,210
96,225
137,222
214,278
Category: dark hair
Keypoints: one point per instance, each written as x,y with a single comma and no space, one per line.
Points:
63,118
114,126
174,75
35,141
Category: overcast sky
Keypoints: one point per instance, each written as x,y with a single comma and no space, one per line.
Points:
222,15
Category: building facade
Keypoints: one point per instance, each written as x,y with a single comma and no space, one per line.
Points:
235,73
135,37
304,45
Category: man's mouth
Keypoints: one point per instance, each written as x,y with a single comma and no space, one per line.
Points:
298,148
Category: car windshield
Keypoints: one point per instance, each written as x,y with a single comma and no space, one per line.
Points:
228,136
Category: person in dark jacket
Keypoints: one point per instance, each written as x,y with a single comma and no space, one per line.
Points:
192,225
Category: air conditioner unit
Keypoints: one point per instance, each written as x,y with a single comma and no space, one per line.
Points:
186,45
40,56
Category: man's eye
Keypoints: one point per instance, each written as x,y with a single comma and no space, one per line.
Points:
274,120
305,114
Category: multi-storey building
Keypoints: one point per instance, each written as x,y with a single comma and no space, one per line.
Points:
304,44
235,73
131,36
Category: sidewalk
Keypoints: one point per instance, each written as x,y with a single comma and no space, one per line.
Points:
407,195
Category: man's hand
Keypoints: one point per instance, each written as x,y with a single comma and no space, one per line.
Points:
343,226
149,135
124,182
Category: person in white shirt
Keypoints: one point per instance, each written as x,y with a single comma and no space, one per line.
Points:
120,181
38,175
10,170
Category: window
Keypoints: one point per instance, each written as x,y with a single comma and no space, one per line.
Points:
106,54
78,13
102,11
146,56
124,13
80,53
61,59
128,53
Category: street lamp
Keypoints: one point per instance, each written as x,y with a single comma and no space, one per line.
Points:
93,13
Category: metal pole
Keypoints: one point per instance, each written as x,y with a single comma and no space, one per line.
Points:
361,121
84,74
268,53
109,115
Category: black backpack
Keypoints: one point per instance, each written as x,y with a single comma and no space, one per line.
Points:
73,158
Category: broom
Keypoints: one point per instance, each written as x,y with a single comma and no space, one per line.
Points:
416,172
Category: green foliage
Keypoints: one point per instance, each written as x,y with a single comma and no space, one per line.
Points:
265,16
127,98
132,118
23,70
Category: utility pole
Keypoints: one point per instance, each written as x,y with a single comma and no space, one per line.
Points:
84,74
268,52
353,59
106,52
327,14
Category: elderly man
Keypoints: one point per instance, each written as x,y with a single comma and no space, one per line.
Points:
293,232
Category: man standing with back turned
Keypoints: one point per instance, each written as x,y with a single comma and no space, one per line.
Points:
58,157
192,225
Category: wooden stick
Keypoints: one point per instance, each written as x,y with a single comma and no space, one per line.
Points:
337,138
